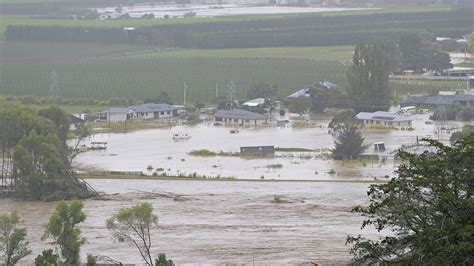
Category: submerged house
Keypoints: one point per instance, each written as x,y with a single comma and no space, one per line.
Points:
153,111
240,117
383,118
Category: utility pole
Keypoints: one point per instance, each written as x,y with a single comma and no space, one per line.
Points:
217,91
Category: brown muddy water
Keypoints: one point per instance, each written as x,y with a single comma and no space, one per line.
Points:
137,150
219,222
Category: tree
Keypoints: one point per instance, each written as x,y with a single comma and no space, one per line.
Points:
60,120
393,53
134,225
428,206
458,135
39,167
262,90
163,97
300,105
413,53
13,246
163,261
62,228
47,258
470,42
348,141
368,79
438,60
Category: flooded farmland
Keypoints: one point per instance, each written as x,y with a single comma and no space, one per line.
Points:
214,10
219,222
155,147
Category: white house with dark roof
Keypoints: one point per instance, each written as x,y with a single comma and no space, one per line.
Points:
153,111
240,117
384,118
115,114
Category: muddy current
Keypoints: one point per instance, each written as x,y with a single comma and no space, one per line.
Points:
219,222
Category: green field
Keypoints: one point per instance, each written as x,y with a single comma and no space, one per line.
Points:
105,72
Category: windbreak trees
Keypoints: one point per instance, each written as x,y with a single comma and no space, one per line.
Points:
368,78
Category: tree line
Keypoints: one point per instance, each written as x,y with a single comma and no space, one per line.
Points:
306,30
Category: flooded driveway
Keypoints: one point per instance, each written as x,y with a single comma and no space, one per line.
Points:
155,147
219,222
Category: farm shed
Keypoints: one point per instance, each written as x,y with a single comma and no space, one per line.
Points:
264,151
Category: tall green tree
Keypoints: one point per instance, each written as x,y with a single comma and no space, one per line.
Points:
13,246
40,169
300,105
62,229
413,52
134,226
348,141
60,120
368,78
428,207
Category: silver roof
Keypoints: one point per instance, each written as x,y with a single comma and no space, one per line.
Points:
382,116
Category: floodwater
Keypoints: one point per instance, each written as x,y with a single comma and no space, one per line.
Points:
213,10
137,150
219,222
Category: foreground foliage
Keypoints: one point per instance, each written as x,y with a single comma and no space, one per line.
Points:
62,228
428,207
134,225
13,246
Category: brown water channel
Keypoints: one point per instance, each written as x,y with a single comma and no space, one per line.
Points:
219,222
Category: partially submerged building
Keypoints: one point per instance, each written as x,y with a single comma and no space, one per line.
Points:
383,118
115,114
438,101
153,111
240,117
141,112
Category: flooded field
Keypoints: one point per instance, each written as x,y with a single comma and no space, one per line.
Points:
220,222
137,150
214,10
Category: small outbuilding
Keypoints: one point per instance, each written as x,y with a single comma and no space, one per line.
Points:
261,151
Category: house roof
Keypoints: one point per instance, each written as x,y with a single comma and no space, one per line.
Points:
152,107
300,93
239,114
75,120
255,102
328,85
114,110
382,116
437,100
